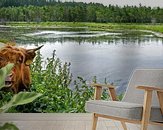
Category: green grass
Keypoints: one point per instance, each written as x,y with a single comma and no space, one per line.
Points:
19,28
91,26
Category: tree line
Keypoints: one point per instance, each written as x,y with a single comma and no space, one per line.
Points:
7,3
51,10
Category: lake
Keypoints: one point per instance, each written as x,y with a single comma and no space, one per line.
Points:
110,55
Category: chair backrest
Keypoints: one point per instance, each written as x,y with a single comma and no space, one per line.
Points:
146,77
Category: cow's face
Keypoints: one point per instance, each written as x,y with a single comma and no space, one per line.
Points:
19,78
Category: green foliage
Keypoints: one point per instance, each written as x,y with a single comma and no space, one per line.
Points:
120,97
4,96
59,94
20,99
44,11
3,74
8,126
53,80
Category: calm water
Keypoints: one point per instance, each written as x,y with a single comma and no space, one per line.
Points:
106,55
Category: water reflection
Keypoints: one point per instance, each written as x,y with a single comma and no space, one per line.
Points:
111,55
93,39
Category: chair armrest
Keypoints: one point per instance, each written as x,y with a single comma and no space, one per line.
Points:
98,91
150,88
102,85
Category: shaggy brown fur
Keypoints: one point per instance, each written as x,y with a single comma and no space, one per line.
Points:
19,79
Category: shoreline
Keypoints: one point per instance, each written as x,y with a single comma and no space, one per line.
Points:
88,25
154,29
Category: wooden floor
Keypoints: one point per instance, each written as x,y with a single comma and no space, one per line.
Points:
42,121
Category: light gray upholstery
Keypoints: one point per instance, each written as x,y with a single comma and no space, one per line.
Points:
115,108
146,77
125,110
132,104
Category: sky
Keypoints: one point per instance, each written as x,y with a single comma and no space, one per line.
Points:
152,3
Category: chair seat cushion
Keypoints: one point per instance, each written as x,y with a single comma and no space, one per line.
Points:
125,110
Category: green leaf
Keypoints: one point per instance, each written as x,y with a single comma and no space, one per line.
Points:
3,74
8,126
20,99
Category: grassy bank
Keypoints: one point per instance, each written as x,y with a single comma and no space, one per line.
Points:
91,26
13,30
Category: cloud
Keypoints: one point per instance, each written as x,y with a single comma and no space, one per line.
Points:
152,3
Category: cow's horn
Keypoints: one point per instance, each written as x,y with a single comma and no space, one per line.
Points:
35,49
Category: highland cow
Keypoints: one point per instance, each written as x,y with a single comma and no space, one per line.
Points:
19,78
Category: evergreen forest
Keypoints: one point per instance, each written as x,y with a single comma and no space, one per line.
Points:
52,10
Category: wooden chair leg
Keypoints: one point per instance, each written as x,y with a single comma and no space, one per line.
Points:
160,98
146,110
94,123
124,125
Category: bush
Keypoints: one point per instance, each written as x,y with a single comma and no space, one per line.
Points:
17,99
54,80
